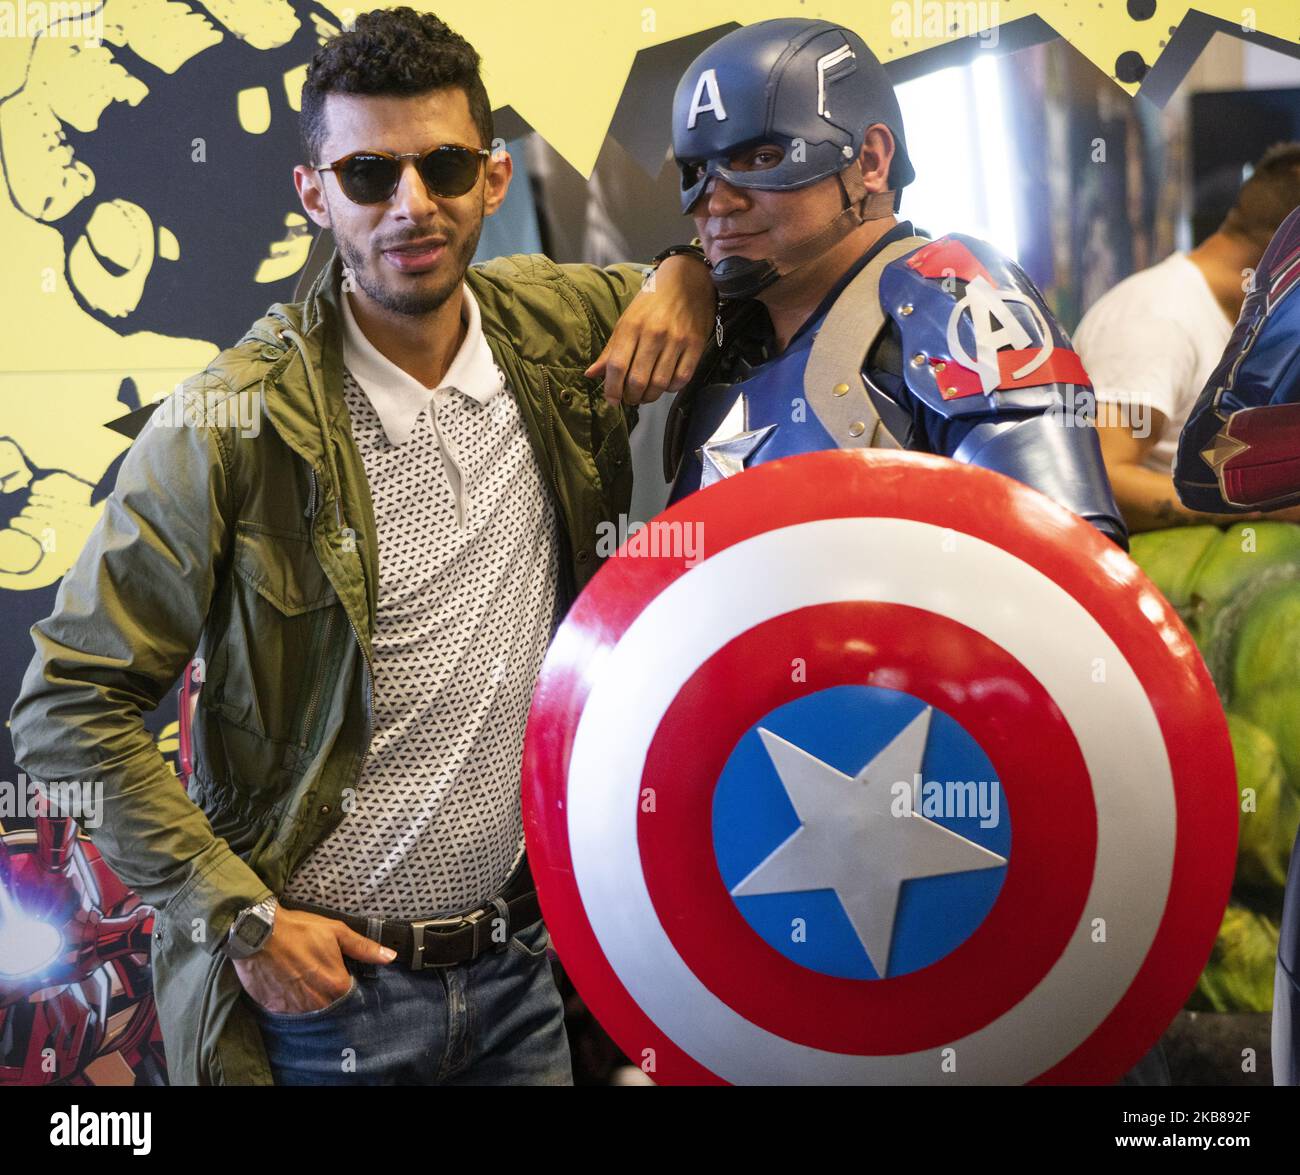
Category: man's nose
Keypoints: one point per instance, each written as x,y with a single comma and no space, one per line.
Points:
412,198
722,198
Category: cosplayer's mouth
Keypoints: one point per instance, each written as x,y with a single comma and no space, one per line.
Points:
734,240
417,256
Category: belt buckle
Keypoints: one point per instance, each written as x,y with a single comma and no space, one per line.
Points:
448,926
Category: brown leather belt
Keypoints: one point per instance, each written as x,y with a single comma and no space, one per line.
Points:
448,942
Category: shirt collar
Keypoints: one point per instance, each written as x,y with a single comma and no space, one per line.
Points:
397,396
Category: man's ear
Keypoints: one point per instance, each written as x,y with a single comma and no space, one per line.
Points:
876,157
499,168
309,183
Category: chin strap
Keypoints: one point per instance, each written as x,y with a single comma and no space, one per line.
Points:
744,277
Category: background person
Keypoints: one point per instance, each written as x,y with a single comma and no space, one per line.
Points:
1150,344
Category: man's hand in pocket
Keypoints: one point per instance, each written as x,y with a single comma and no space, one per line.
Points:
301,969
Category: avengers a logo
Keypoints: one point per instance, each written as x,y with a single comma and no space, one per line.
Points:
914,778
994,324
996,332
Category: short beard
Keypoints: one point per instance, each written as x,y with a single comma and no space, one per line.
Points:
416,303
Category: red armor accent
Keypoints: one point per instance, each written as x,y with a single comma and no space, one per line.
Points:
1061,366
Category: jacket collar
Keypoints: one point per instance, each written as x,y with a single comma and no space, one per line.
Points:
286,388
318,318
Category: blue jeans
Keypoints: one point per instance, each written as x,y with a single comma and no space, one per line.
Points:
498,1020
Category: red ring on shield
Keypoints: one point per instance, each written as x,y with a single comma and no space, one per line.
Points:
966,500
1019,939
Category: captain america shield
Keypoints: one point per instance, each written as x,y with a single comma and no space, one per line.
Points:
870,767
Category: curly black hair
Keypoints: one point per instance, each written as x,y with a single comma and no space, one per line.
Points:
391,51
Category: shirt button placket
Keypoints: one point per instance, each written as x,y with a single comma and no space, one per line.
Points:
448,453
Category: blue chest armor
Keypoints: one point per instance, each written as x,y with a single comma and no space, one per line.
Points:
979,371
759,419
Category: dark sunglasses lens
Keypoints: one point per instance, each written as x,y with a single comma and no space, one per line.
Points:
368,179
450,171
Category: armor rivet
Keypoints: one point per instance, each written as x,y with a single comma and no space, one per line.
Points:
950,391
905,309
857,428
940,366
840,389
918,360
324,809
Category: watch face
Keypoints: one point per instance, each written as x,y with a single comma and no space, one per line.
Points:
251,931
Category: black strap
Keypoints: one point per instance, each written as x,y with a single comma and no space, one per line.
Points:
449,941
691,250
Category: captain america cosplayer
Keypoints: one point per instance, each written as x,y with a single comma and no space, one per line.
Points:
1239,453
940,346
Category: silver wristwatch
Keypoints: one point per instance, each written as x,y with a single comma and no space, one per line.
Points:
251,929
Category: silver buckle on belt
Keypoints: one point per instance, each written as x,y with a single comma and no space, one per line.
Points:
439,926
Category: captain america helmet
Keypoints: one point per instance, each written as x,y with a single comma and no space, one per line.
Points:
808,86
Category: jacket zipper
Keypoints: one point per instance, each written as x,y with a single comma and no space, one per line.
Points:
310,512
315,689
570,587
368,677
550,428
368,680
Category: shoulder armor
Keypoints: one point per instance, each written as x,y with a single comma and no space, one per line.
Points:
977,335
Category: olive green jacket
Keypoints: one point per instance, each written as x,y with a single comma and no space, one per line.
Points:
241,533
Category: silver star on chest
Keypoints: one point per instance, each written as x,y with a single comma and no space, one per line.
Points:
850,841
724,454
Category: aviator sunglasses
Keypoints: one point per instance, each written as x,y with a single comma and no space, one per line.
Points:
371,177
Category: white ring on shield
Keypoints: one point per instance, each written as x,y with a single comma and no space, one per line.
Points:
979,585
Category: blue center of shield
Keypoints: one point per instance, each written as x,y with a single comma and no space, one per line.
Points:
861,832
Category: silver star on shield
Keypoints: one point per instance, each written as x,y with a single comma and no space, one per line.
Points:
849,841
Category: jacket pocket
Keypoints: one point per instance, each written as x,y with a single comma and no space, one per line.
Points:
281,641
282,567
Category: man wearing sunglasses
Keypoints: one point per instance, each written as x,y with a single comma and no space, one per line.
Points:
370,581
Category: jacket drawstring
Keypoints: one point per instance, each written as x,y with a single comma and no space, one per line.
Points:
289,332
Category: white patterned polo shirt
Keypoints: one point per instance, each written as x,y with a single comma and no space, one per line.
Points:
468,563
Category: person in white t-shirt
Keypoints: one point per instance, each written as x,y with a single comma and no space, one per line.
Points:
1150,344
